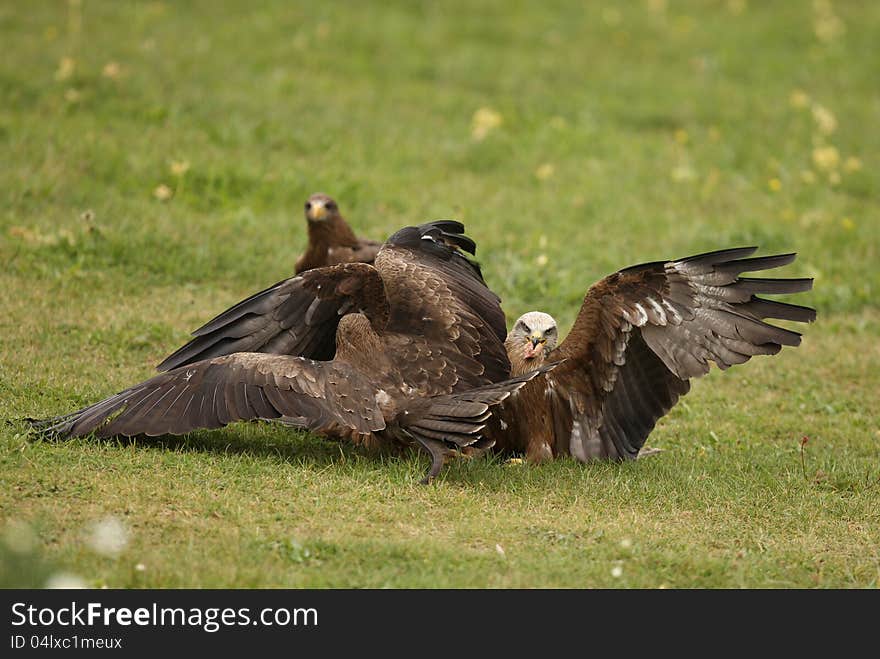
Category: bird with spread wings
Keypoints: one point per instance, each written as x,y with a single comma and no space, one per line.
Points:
640,336
404,352
410,351
331,239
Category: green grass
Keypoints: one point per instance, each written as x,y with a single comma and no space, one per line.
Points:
629,133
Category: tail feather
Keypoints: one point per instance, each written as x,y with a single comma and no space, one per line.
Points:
446,424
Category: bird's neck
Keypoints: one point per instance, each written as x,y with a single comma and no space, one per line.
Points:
358,343
519,364
334,232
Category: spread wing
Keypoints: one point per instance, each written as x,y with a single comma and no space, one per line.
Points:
323,396
436,297
448,326
643,332
297,316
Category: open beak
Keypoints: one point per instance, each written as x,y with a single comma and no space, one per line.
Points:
317,212
536,340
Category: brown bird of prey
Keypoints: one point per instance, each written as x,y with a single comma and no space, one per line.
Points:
331,240
418,357
641,335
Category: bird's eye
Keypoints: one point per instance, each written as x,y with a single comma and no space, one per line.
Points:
331,206
308,205
525,328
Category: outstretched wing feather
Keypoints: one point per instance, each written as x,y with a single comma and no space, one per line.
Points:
643,332
297,316
242,386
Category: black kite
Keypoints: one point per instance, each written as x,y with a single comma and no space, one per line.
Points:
331,240
640,336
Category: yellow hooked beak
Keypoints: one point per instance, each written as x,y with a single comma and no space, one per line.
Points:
536,338
317,212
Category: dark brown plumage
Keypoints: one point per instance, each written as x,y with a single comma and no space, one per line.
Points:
428,289
331,240
640,336
417,358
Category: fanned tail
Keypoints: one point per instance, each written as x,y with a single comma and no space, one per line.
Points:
447,424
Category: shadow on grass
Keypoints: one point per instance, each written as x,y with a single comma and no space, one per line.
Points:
254,440
671,470
267,441
263,441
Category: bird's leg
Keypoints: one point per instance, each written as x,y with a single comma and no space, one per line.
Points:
538,452
539,446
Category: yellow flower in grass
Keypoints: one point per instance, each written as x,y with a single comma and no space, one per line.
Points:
163,192
111,70
683,172
545,171
484,121
826,158
774,184
852,164
66,68
826,24
825,120
179,167
798,99
847,224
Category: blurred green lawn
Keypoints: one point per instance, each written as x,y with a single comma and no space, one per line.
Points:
156,156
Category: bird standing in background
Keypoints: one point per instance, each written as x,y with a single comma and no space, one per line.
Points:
331,240
640,335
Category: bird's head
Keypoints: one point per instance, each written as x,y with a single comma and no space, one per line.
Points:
320,208
532,338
